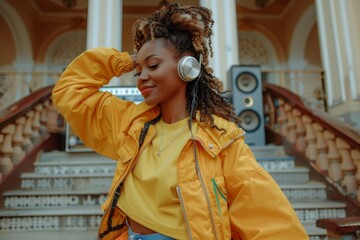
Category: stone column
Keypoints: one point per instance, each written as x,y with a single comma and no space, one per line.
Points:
339,37
104,24
104,27
225,38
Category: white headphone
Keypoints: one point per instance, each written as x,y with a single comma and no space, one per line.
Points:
189,68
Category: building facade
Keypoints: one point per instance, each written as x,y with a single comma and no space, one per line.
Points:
308,46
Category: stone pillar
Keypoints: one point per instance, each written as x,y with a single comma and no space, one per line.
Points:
104,27
225,38
104,24
339,37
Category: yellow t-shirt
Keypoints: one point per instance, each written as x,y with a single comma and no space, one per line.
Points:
149,195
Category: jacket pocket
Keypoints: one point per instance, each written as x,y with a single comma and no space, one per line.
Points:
128,150
195,209
218,197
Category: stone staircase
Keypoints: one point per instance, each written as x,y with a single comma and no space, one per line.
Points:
61,198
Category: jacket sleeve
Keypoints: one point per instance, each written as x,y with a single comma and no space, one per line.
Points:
96,117
257,206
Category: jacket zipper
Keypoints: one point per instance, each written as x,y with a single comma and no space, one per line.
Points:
184,212
198,171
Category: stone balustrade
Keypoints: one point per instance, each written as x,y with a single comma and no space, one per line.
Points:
331,147
341,228
22,127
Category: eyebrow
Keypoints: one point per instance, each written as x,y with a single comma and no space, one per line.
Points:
150,56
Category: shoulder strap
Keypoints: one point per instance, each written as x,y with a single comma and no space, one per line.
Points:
111,228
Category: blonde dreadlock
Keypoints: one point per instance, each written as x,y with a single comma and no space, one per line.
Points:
188,29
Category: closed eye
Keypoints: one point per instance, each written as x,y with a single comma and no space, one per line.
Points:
154,66
151,67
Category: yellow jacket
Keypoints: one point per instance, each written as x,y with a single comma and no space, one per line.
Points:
225,194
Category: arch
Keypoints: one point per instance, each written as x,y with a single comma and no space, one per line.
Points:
265,50
24,53
64,48
300,36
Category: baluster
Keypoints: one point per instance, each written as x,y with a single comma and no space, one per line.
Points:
291,126
1,143
269,104
321,148
282,118
310,139
6,150
334,158
52,118
347,166
43,118
35,136
300,131
28,131
18,152
355,154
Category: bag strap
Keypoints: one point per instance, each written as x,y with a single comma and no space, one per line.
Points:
111,228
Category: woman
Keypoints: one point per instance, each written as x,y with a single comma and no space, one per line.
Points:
183,170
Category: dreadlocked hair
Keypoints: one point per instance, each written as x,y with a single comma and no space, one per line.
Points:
188,29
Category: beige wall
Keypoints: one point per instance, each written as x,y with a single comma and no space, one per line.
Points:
312,51
127,33
7,45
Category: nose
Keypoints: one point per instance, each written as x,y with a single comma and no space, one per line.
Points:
144,76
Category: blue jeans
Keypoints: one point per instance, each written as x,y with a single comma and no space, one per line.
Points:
137,236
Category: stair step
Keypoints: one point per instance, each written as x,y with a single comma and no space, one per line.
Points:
50,198
55,235
54,218
53,211
292,175
70,157
268,150
76,167
305,191
310,210
314,232
276,163
66,181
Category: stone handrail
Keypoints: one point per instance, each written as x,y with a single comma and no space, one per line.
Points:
23,126
343,228
332,147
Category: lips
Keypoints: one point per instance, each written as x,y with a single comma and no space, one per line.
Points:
145,90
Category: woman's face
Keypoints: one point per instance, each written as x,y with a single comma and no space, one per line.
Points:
156,69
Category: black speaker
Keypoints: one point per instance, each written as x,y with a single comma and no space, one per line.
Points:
248,102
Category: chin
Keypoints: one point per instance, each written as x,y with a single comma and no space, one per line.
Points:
150,101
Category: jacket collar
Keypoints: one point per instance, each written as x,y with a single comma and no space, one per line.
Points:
214,140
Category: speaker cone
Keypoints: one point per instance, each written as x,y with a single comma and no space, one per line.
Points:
250,120
248,101
246,82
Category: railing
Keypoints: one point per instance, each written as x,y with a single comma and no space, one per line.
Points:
24,126
16,85
332,147
341,229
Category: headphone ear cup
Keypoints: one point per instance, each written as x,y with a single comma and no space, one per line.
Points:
188,68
